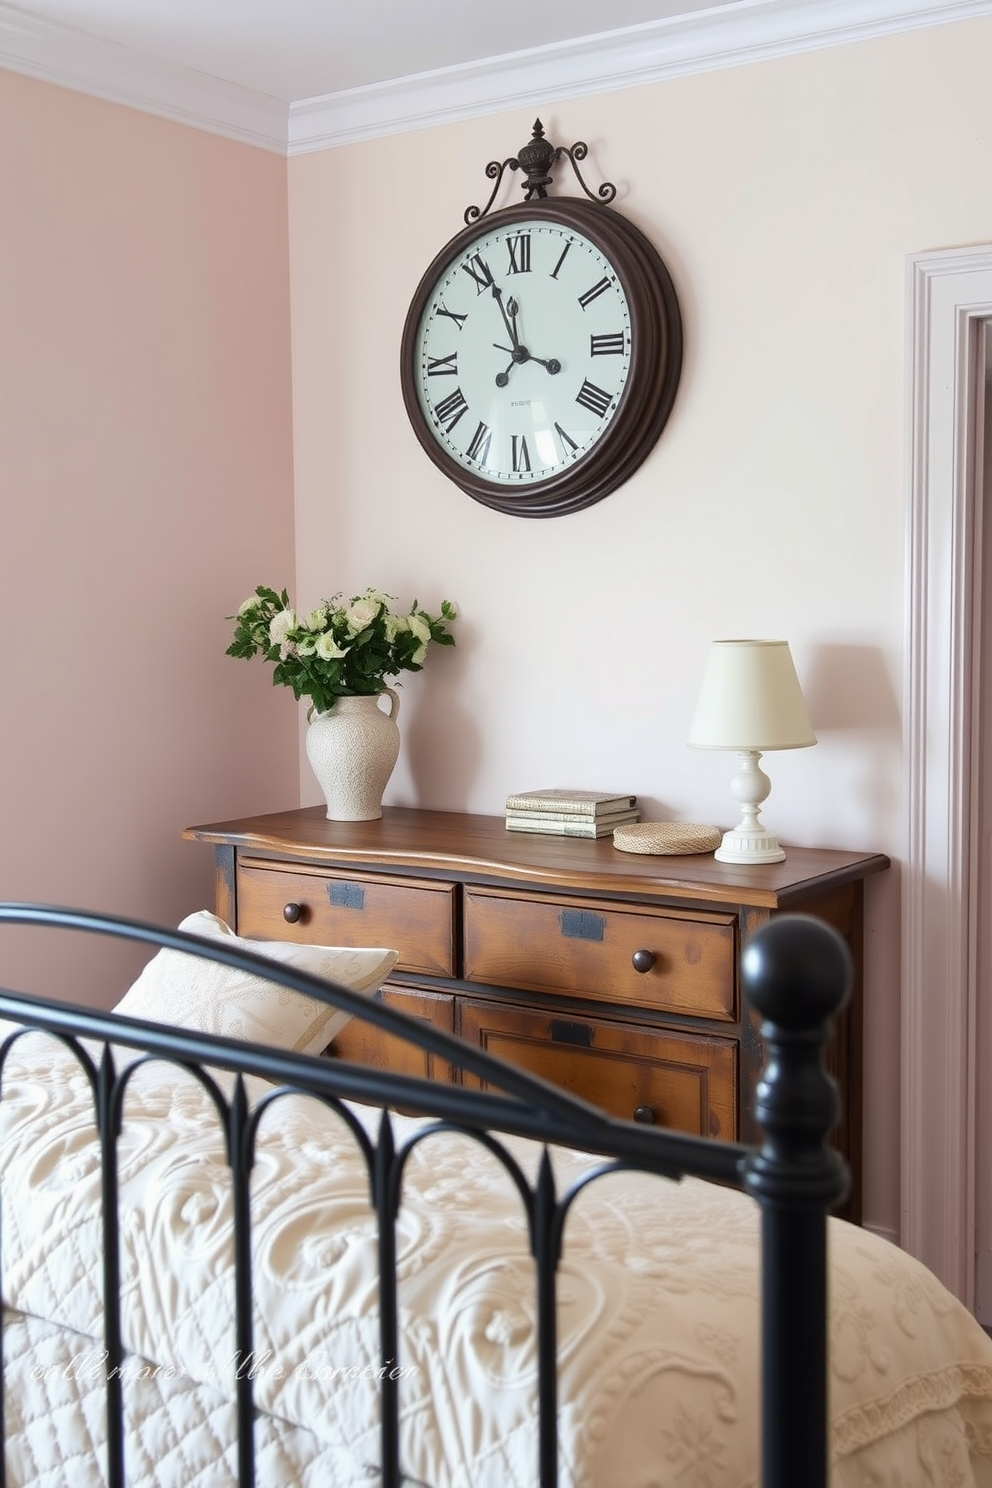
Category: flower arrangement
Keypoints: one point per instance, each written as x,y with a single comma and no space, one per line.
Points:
339,649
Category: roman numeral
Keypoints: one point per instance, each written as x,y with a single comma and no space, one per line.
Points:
450,409
609,345
453,315
442,366
593,398
566,439
478,450
554,271
593,294
519,453
478,269
519,251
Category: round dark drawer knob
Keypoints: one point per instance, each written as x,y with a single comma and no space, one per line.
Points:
292,913
644,1115
643,960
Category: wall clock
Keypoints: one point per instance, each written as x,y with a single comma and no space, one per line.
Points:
542,349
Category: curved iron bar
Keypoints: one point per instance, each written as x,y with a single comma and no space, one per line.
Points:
332,1104
485,1139
537,160
606,191
66,1040
494,172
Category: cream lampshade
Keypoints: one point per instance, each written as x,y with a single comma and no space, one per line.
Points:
750,702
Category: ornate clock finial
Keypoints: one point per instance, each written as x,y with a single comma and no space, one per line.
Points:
537,160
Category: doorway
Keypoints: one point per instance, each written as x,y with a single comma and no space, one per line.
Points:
946,1217
983,894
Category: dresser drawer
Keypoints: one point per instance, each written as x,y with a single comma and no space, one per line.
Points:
362,1043
415,917
668,1078
592,949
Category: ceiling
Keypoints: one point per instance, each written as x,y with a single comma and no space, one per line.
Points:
308,74
296,49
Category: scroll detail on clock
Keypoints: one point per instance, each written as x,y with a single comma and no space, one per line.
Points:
542,349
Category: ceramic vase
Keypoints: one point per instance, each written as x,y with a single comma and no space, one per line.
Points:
352,750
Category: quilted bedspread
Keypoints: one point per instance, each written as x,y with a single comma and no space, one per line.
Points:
658,1314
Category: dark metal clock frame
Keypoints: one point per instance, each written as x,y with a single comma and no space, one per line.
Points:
646,400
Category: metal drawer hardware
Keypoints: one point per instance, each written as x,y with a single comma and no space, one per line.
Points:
644,1115
582,924
292,913
563,1032
346,895
643,960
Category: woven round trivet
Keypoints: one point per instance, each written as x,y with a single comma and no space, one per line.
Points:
666,837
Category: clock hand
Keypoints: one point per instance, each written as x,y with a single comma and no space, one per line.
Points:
513,310
518,353
511,325
521,354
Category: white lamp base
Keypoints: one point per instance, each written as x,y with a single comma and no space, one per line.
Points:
742,846
749,842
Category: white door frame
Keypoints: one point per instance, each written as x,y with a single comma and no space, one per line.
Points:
950,298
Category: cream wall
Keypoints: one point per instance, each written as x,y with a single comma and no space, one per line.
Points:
145,473
785,197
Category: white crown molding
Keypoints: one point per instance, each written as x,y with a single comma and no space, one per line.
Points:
726,35
60,54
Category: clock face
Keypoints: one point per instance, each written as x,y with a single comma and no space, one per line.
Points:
541,356
523,352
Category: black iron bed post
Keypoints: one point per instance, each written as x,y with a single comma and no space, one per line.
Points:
240,1150
387,1196
109,1094
797,974
546,1246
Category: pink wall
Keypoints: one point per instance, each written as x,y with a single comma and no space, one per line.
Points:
145,488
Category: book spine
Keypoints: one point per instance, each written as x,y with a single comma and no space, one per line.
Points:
573,805
615,817
551,828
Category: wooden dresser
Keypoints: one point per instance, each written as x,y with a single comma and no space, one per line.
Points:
611,974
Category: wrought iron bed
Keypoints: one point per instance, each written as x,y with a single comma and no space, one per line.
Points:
796,972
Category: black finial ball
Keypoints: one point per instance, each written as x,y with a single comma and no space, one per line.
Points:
797,972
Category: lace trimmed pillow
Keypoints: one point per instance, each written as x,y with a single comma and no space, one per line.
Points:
189,992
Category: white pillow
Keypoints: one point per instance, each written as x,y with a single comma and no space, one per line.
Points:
190,992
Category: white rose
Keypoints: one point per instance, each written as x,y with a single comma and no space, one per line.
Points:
361,614
418,655
395,625
306,647
327,648
248,606
315,619
421,630
280,625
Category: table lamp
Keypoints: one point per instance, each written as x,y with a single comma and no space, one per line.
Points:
750,702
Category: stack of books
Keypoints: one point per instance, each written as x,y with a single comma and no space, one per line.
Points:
569,813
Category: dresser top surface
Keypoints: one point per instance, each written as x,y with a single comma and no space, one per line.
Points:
449,842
